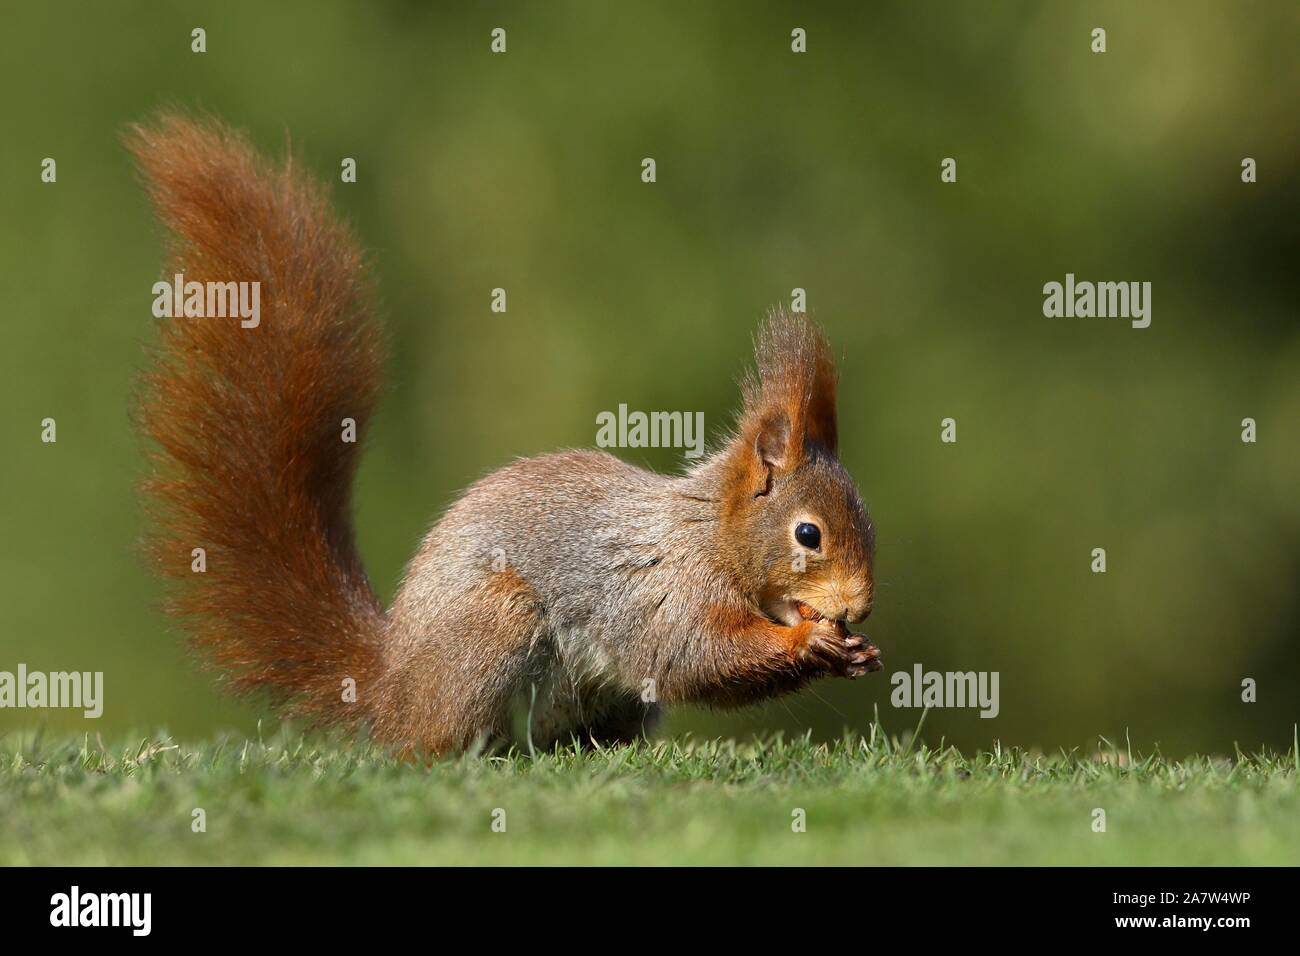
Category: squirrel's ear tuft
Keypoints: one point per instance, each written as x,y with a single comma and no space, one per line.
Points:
789,405
791,401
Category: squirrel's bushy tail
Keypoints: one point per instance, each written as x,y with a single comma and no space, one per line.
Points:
251,464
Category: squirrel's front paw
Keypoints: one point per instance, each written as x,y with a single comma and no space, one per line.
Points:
832,647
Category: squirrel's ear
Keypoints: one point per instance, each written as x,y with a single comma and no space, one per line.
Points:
772,442
789,406
762,449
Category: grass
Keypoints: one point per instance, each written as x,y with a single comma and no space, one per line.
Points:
874,801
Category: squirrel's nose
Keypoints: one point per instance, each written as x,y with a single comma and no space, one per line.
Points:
860,609
855,601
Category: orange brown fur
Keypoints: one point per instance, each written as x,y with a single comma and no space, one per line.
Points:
249,462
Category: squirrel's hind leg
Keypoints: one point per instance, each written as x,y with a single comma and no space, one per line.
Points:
456,662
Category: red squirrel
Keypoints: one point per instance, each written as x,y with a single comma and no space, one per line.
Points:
560,598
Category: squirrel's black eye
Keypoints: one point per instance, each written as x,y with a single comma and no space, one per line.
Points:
808,535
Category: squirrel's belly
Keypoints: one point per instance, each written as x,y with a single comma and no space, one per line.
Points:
574,694
553,711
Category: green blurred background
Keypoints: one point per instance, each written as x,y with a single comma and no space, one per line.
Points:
775,171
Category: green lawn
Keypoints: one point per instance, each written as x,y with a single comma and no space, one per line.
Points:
868,801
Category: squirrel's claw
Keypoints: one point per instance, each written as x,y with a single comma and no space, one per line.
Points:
840,651
864,661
